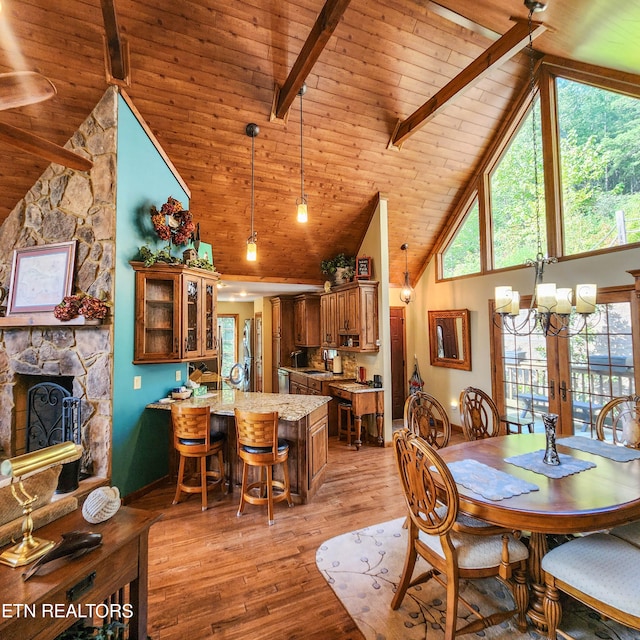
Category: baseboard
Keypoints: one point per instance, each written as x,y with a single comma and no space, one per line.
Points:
144,490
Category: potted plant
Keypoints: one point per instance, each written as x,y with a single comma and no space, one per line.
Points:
341,267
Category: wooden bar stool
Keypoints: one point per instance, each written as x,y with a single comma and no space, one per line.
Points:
345,422
193,438
259,446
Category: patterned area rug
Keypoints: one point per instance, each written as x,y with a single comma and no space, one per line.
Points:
363,568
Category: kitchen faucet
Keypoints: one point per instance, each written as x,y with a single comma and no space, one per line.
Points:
294,356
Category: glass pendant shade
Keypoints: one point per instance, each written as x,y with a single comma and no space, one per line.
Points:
252,248
407,293
302,212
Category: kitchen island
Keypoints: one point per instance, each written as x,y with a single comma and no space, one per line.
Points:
303,423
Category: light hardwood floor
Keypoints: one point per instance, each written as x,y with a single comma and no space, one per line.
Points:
213,574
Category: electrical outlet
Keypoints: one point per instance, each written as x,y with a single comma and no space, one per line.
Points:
178,375
137,382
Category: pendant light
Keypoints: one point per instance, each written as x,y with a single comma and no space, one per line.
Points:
407,293
302,201
252,131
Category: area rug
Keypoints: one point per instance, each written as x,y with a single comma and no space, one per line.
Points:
364,567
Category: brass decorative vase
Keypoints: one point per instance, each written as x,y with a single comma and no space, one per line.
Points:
551,454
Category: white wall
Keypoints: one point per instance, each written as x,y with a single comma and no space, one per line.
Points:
474,293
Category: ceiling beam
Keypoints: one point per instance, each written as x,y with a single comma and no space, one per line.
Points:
42,148
322,30
116,48
501,50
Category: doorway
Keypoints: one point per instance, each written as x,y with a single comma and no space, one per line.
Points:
398,362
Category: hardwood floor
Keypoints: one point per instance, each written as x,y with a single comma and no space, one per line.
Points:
214,574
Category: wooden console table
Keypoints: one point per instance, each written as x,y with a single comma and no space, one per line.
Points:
364,400
48,603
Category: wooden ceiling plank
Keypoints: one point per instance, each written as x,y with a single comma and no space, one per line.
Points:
42,148
502,49
322,30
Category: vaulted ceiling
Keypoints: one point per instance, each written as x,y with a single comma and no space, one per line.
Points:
200,70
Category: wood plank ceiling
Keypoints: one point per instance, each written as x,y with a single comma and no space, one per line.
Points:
200,70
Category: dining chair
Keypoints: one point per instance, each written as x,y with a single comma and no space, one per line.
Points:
259,446
431,496
480,417
426,417
193,438
599,570
618,421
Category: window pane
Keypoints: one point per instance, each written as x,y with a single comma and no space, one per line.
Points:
462,256
600,166
514,212
228,345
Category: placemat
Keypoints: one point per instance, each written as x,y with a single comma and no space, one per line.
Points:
600,448
487,481
533,462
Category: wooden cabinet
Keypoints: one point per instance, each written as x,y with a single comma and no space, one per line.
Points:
328,321
306,315
282,342
175,314
304,384
317,448
356,317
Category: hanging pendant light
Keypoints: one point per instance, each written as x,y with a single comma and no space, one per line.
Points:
407,293
551,308
252,130
302,201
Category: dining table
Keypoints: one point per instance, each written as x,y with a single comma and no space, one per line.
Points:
599,488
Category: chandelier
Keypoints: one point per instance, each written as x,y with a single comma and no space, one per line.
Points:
552,308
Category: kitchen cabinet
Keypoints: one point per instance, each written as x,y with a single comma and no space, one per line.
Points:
282,338
304,384
306,316
328,321
356,316
175,313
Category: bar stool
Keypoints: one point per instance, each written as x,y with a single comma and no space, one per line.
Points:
346,425
259,446
193,438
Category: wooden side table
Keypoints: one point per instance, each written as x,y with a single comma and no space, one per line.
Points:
65,590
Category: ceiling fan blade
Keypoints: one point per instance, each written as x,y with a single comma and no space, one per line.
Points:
20,88
43,148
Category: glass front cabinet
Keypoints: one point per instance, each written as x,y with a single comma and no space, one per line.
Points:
175,317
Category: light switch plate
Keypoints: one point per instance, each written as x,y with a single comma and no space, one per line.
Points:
178,375
137,382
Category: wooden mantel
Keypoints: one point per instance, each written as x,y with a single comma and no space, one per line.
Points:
44,320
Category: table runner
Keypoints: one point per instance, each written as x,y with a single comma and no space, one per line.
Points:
533,462
488,482
600,448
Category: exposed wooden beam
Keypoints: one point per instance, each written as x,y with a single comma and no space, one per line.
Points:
503,49
324,26
43,148
117,51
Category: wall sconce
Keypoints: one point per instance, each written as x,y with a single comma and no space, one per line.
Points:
31,548
252,130
302,202
407,293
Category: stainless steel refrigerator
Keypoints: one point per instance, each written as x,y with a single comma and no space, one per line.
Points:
247,354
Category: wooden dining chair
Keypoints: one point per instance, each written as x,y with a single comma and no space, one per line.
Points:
618,421
259,446
480,417
426,417
193,438
431,496
599,570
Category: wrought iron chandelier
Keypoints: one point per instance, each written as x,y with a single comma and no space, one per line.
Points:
551,308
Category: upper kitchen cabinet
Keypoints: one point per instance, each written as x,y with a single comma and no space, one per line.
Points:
306,320
328,321
356,317
175,317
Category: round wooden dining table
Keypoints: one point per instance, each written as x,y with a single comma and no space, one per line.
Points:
597,498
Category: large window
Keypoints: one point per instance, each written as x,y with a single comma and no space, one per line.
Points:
600,161
462,256
228,341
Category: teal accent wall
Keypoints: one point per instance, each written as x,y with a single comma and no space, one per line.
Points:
140,436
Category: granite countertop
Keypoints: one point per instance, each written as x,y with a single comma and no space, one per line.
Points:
319,374
291,407
355,387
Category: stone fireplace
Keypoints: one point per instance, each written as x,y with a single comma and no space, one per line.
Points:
67,205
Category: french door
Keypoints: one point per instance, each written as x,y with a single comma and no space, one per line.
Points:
572,376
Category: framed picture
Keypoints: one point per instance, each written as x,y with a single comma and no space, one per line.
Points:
363,268
40,277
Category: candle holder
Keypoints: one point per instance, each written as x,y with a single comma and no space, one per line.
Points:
551,454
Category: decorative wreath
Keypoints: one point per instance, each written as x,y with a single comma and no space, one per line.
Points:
172,222
81,305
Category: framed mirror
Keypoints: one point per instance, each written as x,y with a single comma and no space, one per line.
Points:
450,339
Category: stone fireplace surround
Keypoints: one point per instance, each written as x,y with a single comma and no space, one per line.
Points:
64,205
